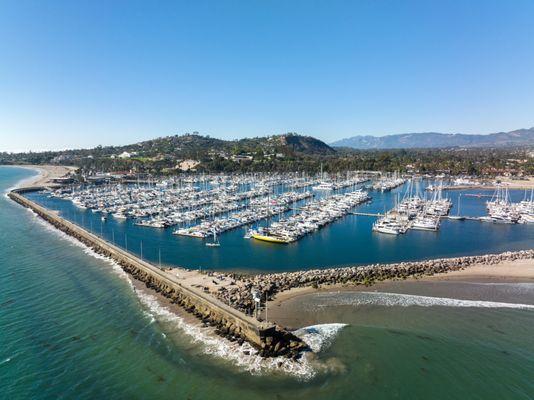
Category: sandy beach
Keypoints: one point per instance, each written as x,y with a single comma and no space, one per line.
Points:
518,271
527,183
523,184
47,173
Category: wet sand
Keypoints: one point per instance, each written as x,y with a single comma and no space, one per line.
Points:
286,308
47,173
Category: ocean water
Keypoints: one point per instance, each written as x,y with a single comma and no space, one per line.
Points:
347,241
72,326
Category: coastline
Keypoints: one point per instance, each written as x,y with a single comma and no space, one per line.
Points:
235,325
515,184
46,175
282,286
506,272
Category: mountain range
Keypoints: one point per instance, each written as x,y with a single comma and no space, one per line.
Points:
518,137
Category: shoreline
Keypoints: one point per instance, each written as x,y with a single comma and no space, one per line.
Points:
274,286
511,271
516,271
230,322
45,175
506,182
234,299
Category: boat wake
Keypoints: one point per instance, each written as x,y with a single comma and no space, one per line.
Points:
408,300
244,356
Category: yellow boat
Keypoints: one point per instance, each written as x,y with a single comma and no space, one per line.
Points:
271,239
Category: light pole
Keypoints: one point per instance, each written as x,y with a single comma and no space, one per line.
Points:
257,301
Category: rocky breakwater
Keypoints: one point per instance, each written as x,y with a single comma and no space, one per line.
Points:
270,340
239,296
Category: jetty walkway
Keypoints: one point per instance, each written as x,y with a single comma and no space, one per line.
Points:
235,325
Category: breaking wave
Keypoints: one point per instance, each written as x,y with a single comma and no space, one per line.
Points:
5,361
243,356
407,300
319,337
21,182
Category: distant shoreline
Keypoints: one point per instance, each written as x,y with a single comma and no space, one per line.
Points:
45,177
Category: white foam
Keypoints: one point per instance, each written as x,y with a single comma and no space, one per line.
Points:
5,361
210,342
116,268
319,337
226,350
407,300
23,180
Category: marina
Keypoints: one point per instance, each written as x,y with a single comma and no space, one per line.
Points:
388,183
310,218
502,210
415,212
254,212
340,241
232,200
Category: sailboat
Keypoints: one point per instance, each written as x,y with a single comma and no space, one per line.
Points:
458,217
215,242
323,185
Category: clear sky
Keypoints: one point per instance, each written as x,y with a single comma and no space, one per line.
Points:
82,73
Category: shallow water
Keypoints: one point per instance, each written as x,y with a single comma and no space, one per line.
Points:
404,344
73,327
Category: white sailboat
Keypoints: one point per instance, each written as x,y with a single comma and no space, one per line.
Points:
458,217
215,242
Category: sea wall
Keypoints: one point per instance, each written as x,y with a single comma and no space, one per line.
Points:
271,284
269,339
229,309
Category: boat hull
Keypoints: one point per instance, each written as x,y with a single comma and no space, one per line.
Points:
270,239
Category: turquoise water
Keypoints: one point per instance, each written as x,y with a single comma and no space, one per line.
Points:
72,327
347,241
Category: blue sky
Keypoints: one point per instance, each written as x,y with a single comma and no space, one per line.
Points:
83,73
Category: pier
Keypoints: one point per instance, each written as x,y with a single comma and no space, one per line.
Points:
269,339
476,195
465,218
364,214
